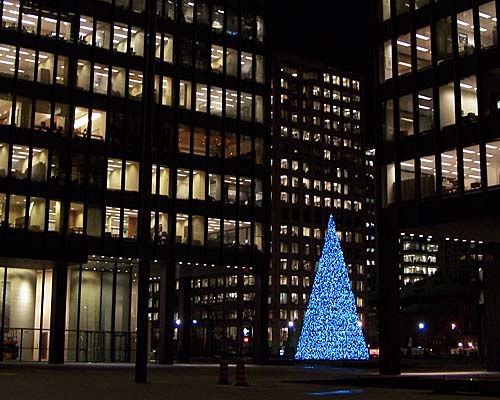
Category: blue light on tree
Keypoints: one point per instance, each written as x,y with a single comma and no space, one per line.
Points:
331,329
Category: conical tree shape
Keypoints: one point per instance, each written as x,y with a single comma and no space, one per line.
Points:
331,329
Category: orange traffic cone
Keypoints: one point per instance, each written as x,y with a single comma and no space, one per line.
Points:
241,379
224,372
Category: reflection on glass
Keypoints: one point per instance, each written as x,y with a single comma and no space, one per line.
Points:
386,10
388,122
446,105
386,69
55,216
17,212
443,39
492,163
406,115
388,184
402,6
427,177
472,168
36,214
114,180
404,54
424,50
488,24
465,27
468,95
407,180
449,180
75,223
426,110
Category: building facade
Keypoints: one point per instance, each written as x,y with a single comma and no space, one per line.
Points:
437,150
318,168
79,82
442,296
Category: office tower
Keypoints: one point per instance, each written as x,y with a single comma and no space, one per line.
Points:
437,148
317,169
76,82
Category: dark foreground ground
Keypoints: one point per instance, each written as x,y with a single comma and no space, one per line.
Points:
199,382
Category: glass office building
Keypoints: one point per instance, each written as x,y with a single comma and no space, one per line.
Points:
318,168
437,159
73,94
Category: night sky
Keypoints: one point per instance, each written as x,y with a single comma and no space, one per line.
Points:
332,31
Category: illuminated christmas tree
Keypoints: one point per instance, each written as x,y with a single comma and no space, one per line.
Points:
331,329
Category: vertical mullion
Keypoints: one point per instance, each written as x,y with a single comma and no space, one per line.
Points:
4,299
40,338
78,313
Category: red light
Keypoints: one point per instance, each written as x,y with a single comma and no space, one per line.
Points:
246,339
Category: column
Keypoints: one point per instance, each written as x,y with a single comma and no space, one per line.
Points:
261,349
167,302
388,302
184,337
58,314
491,306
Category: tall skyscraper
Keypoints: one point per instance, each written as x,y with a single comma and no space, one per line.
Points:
318,168
437,151
74,79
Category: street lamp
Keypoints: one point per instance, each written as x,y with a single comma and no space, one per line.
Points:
291,337
421,326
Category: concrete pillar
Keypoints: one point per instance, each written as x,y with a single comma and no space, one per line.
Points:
167,300
491,307
58,314
261,348
184,337
388,302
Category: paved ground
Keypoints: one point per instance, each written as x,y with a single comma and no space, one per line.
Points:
194,382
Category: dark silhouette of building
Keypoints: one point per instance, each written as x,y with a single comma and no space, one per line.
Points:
437,146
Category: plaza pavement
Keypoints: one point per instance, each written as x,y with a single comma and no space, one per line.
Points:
199,382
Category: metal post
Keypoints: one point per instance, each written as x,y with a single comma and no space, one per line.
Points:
21,346
78,313
112,354
144,232
40,335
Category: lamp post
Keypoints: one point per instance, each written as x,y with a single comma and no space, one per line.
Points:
292,342
422,326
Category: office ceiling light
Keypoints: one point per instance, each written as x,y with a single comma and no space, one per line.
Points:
423,37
